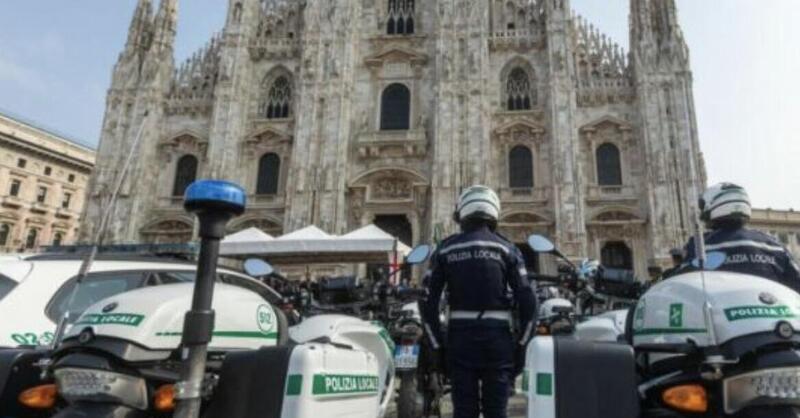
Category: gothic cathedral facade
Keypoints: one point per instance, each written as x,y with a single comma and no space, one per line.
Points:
348,112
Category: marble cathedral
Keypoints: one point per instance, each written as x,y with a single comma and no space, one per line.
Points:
347,112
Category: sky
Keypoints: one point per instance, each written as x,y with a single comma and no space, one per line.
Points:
56,58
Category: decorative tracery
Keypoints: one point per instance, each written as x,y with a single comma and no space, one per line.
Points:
401,17
519,93
279,99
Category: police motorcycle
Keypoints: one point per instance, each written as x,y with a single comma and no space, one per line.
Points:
578,293
704,343
211,350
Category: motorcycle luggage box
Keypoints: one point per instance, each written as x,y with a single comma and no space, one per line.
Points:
17,373
312,380
569,378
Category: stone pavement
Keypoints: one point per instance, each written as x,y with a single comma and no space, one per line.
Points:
516,408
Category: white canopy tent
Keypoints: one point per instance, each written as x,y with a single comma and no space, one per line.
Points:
312,245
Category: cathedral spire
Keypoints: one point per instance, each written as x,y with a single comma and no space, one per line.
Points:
139,24
656,35
165,25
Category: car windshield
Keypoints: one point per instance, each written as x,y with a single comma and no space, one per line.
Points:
6,286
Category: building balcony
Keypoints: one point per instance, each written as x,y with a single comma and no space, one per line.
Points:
270,48
515,38
12,202
400,143
597,193
525,194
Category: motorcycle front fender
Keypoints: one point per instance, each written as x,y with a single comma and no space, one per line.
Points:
98,410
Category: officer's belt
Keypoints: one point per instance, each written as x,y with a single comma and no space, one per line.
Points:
499,315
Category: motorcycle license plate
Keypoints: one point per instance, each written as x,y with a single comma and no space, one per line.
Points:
406,356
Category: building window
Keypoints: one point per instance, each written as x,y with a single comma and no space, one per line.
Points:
5,230
48,170
520,167
269,169
185,174
617,255
519,94
58,238
14,189
65,202
279,100
609,170
784,237
71,178
41,194
21,163
395,108
30,240
401,17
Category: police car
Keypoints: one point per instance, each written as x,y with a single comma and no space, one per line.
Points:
35,290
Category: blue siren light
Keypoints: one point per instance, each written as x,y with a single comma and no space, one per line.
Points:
217,193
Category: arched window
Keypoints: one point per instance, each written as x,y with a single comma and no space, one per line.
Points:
185,174
395,108
616,255
5,230
401,17
609,171
520,167
30,240
279,99
269,169
57,239
519,94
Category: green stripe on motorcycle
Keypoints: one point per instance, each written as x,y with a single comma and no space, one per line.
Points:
544,384
656,331
228,334
294,384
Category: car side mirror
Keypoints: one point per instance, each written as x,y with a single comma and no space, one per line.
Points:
256,267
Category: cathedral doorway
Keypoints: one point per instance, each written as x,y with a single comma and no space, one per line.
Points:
397,226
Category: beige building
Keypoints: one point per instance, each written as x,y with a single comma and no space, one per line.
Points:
784,225
43,178
341,113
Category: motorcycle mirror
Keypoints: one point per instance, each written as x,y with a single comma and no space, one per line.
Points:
541,244
714,260
419,254
258,268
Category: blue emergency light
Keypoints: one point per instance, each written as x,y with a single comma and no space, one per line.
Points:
203,195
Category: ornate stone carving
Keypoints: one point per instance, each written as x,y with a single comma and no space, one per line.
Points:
391,189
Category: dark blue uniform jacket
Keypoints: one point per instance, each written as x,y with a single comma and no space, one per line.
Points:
751,252
481,271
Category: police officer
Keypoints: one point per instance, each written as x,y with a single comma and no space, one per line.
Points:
725,208
486,281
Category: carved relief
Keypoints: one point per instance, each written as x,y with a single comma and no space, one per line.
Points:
391,189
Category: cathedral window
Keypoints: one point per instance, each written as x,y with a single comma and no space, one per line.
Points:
279,99
609,170
5,230
185,174
401,17
520,167
519,93
616,255
269,168
395,108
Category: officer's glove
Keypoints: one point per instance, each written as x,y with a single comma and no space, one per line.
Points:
519,359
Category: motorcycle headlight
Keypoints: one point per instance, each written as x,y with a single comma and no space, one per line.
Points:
101,386
762,387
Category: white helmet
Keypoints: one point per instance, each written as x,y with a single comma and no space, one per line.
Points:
589,269
724,201
478,202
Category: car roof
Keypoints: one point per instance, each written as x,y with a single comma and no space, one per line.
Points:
111,257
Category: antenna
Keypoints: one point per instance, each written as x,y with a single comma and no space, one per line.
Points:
99,233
